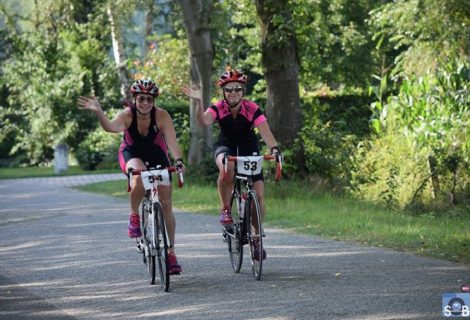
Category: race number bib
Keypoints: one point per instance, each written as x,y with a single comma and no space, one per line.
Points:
163,176
250,165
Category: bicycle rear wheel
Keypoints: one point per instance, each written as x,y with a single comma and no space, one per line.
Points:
161,247
147,238
254,234
233,236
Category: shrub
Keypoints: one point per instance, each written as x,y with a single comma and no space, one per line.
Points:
390,170
97,148
420,155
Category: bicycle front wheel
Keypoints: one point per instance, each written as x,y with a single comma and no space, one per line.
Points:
147,238
255,234
161,246
233,233
235,246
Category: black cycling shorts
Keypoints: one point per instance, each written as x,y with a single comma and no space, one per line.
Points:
152,157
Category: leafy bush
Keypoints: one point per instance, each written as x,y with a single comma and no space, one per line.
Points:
332,127
389,171
99,148
421,152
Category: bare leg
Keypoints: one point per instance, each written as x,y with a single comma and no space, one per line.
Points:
137,189
224,185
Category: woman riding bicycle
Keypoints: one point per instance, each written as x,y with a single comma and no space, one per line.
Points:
148,130
237,117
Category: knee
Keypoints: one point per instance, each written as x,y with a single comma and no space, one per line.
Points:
136,185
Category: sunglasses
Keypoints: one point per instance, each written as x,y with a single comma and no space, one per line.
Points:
145,99
233,89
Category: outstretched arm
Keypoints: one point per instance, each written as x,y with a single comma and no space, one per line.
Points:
116,125
204,118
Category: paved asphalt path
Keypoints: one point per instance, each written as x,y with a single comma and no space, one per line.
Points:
65,254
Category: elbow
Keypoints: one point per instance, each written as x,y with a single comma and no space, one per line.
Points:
110,130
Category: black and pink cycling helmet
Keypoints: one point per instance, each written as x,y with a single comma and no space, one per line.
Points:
145,86
232,76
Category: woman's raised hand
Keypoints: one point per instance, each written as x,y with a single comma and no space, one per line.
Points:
194,92
89,103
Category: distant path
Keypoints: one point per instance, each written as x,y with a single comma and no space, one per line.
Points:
64,254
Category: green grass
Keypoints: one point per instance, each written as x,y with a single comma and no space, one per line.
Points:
300,208
295,206
13,173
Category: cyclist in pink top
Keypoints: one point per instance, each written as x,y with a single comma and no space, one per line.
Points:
148,130
237,118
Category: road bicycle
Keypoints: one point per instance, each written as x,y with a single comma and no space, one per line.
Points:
154,242
247,226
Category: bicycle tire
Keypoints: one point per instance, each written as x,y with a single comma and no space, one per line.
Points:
161,246
233,234
147,236
252,218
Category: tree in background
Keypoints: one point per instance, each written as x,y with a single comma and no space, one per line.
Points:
115,10
64,54
196,22
414,35
281,69
419,155
336,50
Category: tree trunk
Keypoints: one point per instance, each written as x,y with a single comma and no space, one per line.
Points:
149,14
196,22
281,70
119,55
434,177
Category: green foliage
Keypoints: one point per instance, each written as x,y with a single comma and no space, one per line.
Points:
414,35
389,171
59,50
335,44
45,73
328,137
167,63
327,153
235,34
427,119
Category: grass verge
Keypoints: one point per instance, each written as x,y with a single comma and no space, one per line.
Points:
294,206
